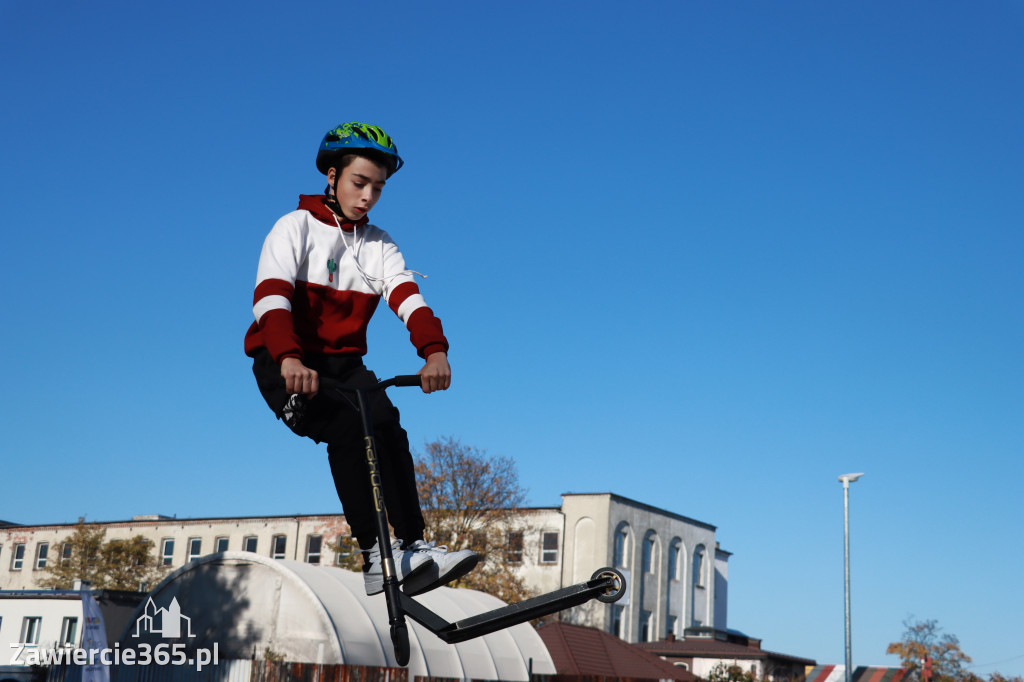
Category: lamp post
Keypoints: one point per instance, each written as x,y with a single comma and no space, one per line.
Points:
846,480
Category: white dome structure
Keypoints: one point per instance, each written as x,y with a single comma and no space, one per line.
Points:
249,604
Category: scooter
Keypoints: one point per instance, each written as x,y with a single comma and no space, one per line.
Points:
606,584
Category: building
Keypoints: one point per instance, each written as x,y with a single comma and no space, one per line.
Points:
32,621
25,551
676,573
577,650
703,649
241,605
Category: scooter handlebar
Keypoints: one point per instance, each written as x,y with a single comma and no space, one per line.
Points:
327,383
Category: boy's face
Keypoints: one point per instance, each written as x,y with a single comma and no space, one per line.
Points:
359,186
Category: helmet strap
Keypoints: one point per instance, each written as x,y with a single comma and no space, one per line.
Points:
331,193
331,198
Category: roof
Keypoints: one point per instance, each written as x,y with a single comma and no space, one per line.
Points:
646,507
706,647
878,674
578,650
834,673
158,519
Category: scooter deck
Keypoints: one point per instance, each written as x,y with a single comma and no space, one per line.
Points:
507,616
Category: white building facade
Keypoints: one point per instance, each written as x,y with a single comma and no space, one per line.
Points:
675,572
33,622
677,576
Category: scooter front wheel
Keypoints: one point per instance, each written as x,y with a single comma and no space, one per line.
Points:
616,589
400,640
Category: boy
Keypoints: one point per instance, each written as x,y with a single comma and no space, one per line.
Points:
322,272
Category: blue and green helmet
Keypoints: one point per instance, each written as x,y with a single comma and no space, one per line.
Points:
353,138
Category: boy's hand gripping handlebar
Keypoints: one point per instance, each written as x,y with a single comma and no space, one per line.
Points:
295,409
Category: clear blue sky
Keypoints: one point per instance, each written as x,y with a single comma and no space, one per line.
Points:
706,255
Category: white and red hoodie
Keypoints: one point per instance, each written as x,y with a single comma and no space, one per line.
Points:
319,282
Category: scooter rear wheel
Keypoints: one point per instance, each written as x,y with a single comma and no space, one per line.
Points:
616,589
400,639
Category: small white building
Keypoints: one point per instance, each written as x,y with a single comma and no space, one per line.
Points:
35,620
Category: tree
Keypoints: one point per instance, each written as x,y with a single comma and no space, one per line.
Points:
78,559
724,672
114,565
129,565
349,556
472,501
998,677
924,640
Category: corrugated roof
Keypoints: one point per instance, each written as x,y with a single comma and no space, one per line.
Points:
578,650
834,673
825,673
875,674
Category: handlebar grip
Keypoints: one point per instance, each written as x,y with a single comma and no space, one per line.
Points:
408,380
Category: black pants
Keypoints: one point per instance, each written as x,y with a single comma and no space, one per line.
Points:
335,420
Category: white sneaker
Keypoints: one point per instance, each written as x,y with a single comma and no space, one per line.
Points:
407,563
445,567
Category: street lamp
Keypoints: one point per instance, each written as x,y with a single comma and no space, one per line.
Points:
846,480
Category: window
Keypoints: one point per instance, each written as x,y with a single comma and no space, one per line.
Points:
30,630
646,623
617,620
514,550
344,546
195,548
278,546
647,559
313,545
621,547
673,559
549,547
167,552
65,554
249,543
69,632
698,566
42,551
220,545
17,556
670,625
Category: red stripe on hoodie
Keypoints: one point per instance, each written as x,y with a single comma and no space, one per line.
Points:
327,320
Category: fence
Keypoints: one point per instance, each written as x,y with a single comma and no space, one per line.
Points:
274,671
